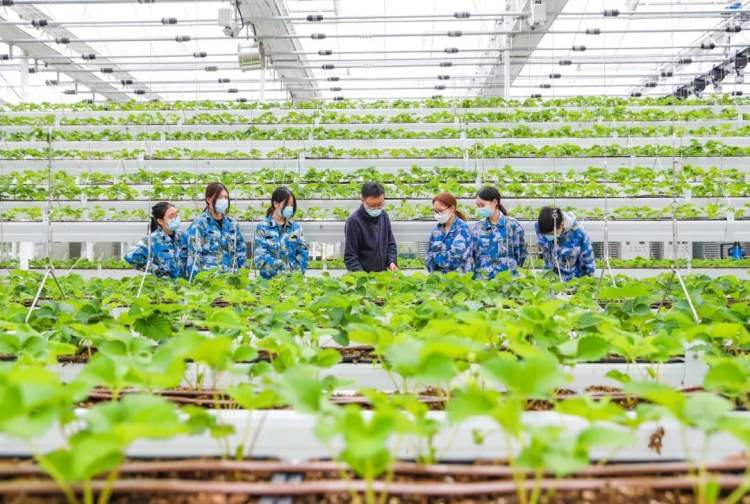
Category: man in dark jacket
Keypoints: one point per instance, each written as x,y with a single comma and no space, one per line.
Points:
370,245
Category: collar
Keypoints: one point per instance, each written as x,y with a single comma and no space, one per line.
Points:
500,222
271,222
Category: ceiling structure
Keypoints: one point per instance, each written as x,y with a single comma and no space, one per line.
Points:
68,50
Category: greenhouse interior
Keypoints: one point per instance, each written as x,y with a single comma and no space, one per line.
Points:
444,251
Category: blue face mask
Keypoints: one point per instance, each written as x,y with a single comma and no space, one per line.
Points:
287,212
373,212
221,205
485,212
174,224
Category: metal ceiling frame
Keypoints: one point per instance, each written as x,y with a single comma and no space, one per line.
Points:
501,77
249,9
40,52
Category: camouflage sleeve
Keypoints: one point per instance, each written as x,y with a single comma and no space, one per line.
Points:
587,261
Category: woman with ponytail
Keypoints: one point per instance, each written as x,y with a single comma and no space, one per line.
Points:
450,241
498,240
163,251
279,245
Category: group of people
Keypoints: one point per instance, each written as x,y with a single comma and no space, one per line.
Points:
494,244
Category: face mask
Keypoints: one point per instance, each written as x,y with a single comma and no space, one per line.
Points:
443,217
486,212
287,212
550,236
373,212
221,205
174,224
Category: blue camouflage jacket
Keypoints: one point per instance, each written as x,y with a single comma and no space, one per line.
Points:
168,254
211,245
497,248
573,251
277,249
450,251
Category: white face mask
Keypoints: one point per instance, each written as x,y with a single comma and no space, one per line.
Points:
221,205
442,217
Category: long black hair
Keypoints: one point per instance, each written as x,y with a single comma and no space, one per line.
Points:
550,220
158,211
490,193
213,190
281,195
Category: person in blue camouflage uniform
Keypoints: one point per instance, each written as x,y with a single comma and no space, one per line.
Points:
165,245
564,244
214,240
497,240
450,241
279,245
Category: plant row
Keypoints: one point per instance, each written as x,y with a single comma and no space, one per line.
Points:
320,133
694,148
485,349
417,183
381,310
330,117
398,210
484,102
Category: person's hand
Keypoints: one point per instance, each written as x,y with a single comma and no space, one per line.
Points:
392,267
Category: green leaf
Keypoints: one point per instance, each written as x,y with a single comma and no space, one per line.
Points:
155,326
592,348
535,376
705,411
300,388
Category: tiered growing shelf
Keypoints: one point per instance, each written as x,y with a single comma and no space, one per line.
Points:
109,165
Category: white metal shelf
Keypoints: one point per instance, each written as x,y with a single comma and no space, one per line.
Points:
387,112
404,231
380,143
741,273
393,202
385,165
407,126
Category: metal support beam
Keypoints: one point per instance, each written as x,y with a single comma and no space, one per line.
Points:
296,71
500,73
42,52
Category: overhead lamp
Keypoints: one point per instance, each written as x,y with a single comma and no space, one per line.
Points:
740,60
717,75
708,44
249,56
636,94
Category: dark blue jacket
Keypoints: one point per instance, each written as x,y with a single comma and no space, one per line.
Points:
370,245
